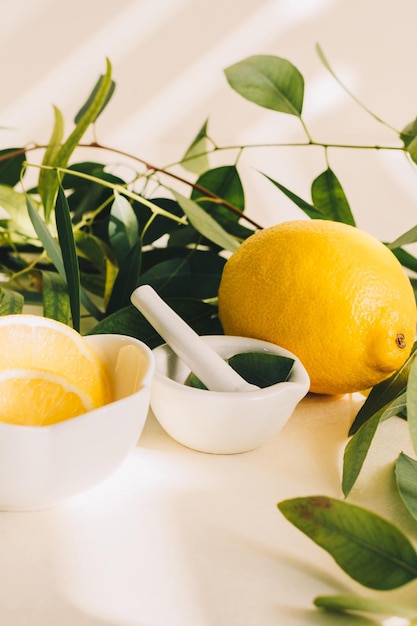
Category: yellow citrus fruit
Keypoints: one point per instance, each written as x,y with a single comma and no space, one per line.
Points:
330,293
48,372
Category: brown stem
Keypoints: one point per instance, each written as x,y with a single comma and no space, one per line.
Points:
180,179
149,166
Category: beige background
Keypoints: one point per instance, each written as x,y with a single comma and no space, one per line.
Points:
168,58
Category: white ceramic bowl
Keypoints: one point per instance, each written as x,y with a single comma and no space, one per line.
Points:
223,422
43,466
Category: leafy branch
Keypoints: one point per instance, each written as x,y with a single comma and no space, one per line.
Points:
84,238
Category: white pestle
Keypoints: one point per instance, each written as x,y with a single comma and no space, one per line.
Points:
204,362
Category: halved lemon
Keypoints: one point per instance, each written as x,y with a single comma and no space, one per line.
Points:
48,372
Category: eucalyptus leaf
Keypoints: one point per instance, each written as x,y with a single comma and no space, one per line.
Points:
157,255
127,279
11,167
409,133
375,606
369,548
412,404
49,243
261,368
93,249
195,159
412,149
258,368
85,195
205,224
330,199
53,250
308,209
406,478
383,395
268,81
128,321
47,184
69,256
19,224
197,275
60,157
56,304
406,259
201,316
409,237
225,182
357,448
160,225
89,103
123,227
11,302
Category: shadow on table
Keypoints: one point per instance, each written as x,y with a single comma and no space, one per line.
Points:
317,617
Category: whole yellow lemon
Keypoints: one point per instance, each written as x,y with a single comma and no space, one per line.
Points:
330,293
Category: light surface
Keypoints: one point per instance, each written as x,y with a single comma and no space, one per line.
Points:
188,539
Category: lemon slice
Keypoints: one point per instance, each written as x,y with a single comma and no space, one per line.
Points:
48,372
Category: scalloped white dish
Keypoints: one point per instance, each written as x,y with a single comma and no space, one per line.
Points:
43,466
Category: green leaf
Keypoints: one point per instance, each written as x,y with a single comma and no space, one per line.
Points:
53,250
225,183
94,95
268,81
367,547
262,369
19,224
93,249
329,198
205,224
409,237
51,246
358,446
259,368
412,150
123,227
56,303
195,276
195,159
128,321
348,602
127,279
11,302
69,256
383,395
160,225
409,137
193,381
412,404
11,166
406,259
356,451
406,477
60,157
86,196
409,133
47,179
308,209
